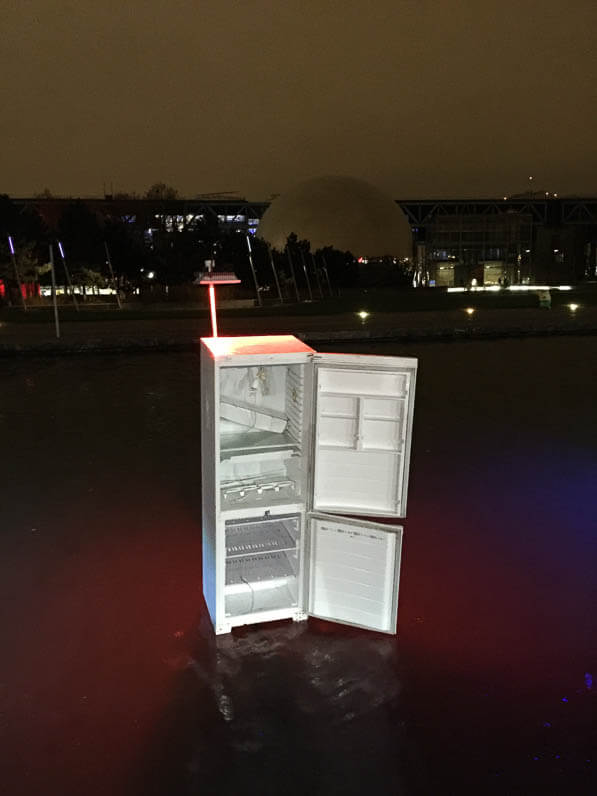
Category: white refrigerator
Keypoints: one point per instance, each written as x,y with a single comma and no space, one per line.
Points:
296,446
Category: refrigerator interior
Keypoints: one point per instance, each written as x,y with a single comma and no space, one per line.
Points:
261,435
262,564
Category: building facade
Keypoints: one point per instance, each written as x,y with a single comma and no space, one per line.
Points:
519,240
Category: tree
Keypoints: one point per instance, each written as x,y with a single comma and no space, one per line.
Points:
127,252
28,234
161,192
8,216
342,268
124,195
27,266
82,236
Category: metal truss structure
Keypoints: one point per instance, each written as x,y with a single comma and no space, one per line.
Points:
420,212
579,211
542,211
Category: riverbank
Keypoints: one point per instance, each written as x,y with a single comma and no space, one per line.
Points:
358,315
181,334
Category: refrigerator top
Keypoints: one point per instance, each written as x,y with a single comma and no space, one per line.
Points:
251,346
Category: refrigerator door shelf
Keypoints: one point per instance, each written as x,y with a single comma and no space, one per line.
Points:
353,571
362,430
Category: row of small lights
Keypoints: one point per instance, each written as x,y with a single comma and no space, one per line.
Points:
363,314
472,310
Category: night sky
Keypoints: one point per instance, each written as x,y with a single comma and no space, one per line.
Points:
420,97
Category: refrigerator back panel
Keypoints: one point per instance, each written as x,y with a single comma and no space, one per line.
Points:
362,430
354,569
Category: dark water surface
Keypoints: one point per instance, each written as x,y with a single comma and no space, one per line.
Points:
111,681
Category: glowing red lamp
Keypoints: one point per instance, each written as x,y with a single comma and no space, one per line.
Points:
211,279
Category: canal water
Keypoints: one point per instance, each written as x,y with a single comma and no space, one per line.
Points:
111,681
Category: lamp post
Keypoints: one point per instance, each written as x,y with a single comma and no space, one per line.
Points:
212,278
67,273
21,286
54,299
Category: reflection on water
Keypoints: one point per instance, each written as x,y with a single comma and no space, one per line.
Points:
350,675
112,681
292,707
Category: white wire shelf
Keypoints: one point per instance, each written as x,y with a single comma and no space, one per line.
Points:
257,568
255,538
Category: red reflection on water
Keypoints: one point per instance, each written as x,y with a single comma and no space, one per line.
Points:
98,633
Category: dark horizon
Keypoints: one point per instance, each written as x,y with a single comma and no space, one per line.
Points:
536,196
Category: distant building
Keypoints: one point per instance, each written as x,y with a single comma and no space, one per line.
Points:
341,212
519,240
454,241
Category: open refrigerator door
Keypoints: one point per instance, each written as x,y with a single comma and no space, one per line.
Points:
353,571
362,432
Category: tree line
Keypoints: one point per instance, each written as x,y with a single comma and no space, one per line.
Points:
161,256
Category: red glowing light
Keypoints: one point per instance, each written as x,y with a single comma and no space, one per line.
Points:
219,278
211,279
212,308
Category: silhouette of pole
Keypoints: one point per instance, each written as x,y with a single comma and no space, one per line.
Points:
54,301
296,290
316,275
259,300
327,276
273,264
16,270
67,272
303,260
109,262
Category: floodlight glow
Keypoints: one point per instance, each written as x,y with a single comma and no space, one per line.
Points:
151,275
363,315
10,243
573,307
470,310
529,287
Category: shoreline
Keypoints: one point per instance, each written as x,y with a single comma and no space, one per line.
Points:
180,335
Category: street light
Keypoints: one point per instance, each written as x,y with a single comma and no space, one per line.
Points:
211,279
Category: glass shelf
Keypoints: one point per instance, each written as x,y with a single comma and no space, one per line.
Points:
253,441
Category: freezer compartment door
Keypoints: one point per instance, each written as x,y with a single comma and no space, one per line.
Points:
362,433
353,571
